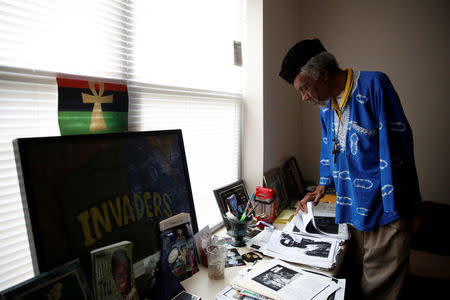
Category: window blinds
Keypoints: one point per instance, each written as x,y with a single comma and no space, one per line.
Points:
28,107
211,125
180,74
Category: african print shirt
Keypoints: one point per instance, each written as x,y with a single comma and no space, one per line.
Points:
374,174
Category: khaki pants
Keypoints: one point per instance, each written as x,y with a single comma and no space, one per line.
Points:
376,263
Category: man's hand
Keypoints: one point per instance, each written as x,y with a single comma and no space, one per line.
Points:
313,196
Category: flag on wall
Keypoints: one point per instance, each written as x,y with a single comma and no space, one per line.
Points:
91,106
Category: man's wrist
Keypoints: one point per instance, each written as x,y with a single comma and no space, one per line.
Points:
322,189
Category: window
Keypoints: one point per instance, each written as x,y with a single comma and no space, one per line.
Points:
177,59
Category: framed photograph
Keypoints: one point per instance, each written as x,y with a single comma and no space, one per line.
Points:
290,185
67,281
294,179
273,180
240,192
202,241
131,180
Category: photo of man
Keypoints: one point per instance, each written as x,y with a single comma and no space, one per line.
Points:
121,270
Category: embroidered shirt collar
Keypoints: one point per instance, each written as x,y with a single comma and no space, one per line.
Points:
347,92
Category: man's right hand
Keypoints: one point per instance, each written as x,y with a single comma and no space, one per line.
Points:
312,196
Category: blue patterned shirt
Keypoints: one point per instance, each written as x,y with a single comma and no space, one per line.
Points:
374,174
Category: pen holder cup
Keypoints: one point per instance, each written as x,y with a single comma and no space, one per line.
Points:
238,231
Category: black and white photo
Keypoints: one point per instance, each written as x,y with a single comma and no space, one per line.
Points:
276,277
308,246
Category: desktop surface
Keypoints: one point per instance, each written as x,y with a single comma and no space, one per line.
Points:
200,284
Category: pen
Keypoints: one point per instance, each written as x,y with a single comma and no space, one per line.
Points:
248,203
253,209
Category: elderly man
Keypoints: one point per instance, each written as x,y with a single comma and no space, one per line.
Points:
367,156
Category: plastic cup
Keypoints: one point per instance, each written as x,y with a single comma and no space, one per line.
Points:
216,261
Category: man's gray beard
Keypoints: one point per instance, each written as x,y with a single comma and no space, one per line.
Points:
321,104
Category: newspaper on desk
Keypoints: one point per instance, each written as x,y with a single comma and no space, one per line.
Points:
318,222
235,291
315,252
279,280
296,244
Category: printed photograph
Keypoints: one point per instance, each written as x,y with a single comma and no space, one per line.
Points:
308,246
326,224
276,278
233,258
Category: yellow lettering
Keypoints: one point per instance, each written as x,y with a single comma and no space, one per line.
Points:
128,213
84,219
138,206
157,204
167,201
148,206
116,211
97,219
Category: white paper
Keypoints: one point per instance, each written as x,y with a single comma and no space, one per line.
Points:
302,246
306,217
280,280
301,221
325,209
316,252
259,242
228,293
340,292
269,244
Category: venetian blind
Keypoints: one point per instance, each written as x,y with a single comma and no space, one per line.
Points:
178,65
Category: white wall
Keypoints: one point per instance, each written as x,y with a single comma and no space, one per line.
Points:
408,40
253,116
282,107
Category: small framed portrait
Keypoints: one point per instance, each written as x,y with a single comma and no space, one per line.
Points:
240,192
274,180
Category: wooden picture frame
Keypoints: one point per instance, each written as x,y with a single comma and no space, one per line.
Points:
293,178
274,180
290,185
297,176
239,190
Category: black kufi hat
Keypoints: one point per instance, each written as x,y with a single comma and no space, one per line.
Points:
298,56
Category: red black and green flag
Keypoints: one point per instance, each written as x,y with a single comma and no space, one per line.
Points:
91,106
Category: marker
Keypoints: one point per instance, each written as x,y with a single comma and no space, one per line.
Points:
232,204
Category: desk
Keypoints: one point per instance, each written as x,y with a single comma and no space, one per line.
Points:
200,284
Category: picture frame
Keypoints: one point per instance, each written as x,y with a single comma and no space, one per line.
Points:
273,179
237,188
290,185
202,240
294,180
127,171
68,280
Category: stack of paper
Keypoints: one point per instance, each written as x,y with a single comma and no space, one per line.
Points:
279,280
285,216
315,252
304,242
